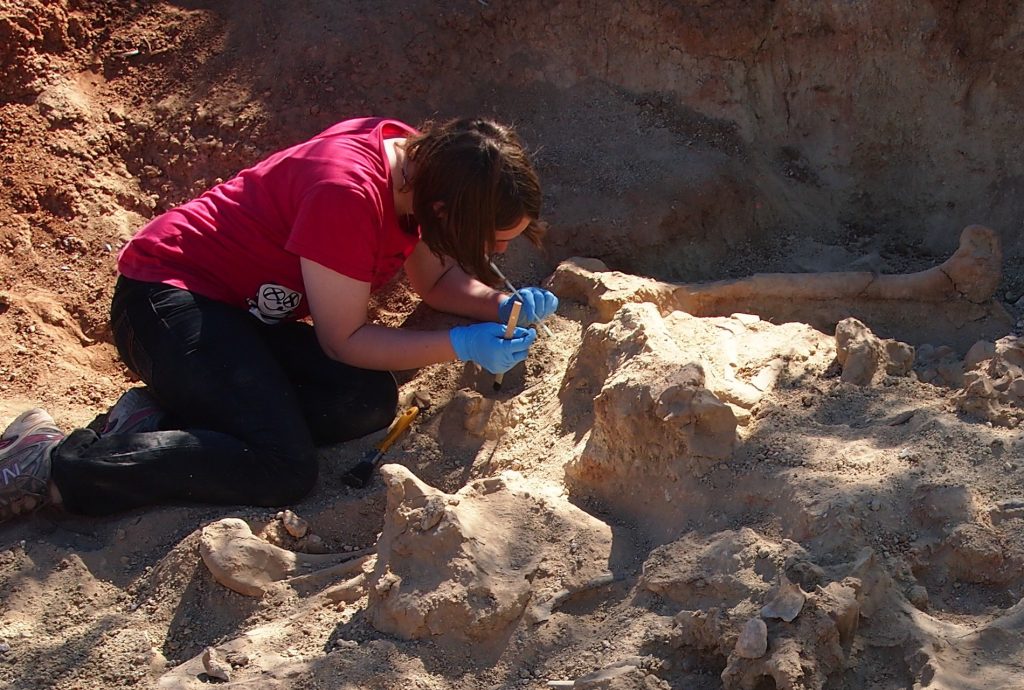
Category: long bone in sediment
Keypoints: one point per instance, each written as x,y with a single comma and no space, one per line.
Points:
963,285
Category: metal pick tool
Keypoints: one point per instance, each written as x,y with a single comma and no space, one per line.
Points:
510,286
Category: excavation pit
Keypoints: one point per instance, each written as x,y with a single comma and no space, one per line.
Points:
787,239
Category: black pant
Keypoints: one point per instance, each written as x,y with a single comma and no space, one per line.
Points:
250,402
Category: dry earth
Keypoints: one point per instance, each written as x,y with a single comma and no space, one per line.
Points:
691,484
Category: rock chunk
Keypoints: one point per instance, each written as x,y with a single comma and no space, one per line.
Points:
994,382
655,420
668,393
864,357
803,652
462,568
214,666
296,526
725,569
753,640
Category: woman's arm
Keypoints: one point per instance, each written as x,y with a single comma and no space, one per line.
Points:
338,305
446,287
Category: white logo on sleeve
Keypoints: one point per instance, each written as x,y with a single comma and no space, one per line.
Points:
274,303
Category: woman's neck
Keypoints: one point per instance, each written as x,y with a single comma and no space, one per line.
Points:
400,175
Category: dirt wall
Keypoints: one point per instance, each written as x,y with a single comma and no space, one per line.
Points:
663,128
693,123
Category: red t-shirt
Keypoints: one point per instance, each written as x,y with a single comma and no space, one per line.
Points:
328,199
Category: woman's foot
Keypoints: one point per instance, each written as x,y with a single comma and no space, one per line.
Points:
25,449
135,412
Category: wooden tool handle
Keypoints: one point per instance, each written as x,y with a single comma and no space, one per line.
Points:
513,319
510,329
400,425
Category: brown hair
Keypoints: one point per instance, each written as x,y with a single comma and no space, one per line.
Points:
480,172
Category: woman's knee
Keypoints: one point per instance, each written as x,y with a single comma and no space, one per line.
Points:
293,479
344,415
383,403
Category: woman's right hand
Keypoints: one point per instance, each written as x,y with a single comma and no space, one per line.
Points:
485,344
538,304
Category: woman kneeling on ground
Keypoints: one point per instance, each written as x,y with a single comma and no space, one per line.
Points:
206,311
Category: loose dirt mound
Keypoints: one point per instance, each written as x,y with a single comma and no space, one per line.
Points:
690,484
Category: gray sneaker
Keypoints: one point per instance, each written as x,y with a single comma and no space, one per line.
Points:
135,412
25,449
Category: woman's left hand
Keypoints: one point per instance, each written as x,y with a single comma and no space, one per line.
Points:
538,304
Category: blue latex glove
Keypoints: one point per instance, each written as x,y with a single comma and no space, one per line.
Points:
484,343
538,304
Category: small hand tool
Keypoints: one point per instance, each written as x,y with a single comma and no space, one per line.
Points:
510,286
359,476
510,329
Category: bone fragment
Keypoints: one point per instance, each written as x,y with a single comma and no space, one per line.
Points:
785,601
243,562
541,611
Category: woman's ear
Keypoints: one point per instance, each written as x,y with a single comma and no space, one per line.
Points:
439,211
